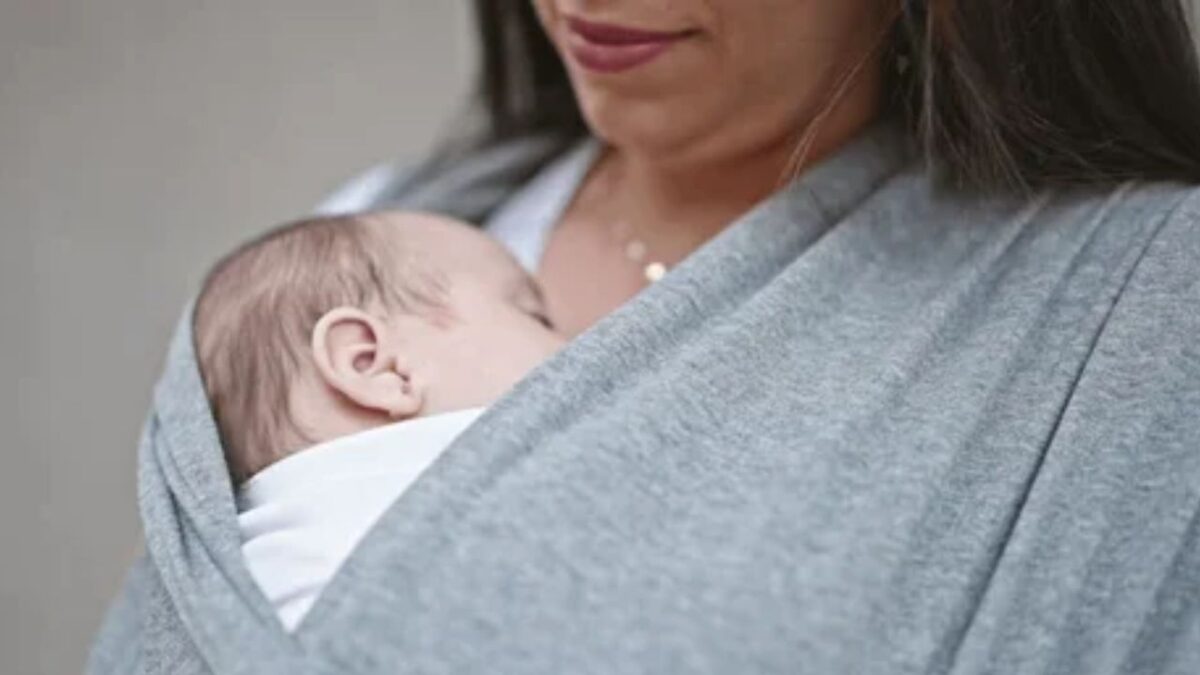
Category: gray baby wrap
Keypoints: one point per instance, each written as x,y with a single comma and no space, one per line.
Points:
869,428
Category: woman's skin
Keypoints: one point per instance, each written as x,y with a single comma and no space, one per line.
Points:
700,124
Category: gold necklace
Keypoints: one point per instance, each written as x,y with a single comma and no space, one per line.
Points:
633,247
638,252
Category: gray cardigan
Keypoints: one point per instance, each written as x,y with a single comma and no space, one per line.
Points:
869,428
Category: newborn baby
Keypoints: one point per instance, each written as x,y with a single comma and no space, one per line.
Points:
341,356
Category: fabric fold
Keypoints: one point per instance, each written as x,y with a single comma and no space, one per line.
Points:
871,427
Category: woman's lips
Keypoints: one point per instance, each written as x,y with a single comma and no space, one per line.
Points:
609,48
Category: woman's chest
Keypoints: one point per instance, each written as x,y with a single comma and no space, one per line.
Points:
778,481
801,437
584,274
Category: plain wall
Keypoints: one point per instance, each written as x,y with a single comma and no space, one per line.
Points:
140,139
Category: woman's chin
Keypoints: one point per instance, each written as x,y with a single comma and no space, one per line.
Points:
643,126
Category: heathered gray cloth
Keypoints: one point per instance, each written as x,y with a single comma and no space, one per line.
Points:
869,428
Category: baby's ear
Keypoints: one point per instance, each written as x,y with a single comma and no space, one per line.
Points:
350,354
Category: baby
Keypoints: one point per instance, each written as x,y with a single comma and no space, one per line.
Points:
341,356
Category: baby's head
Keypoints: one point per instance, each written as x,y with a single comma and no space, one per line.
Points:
330,326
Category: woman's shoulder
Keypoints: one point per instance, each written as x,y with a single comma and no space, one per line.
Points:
1145,237
467,184
1170,213
1155,314
363,190
1153,225
1158,200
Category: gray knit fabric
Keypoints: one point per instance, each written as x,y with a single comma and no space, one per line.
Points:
869,428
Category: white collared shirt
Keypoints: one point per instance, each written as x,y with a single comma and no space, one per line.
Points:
301,517
525,221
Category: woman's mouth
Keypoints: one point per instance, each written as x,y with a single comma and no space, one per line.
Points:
610,48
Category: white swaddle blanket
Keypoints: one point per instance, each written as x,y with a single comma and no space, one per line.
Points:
301,517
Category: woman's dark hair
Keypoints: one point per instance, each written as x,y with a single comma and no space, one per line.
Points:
1000,94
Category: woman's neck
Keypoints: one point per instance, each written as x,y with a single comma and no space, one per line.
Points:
675,204
679,191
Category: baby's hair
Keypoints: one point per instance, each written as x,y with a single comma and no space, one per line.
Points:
256,311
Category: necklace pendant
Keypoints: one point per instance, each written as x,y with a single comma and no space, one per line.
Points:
635,250
654,271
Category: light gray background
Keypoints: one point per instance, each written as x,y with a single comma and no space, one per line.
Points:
139,139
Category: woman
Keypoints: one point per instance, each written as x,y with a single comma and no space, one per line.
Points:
929,407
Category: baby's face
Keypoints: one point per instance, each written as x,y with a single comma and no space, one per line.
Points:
497,329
